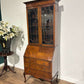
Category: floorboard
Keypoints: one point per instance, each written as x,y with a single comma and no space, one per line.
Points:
17,78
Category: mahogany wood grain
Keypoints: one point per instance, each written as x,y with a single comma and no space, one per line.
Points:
27,24
39,52
38,57
39,3
39,74
37,64
38,67
40,29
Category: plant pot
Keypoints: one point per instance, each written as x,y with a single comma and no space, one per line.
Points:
6,46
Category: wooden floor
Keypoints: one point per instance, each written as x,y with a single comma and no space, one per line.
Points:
17,78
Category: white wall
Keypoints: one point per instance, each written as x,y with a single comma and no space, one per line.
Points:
71,40
14,11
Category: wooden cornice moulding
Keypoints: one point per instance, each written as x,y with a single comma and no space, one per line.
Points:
39,1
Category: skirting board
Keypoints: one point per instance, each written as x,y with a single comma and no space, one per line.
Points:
72,80
69,79
80,82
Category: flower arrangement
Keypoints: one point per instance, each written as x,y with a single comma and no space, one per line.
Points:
7,33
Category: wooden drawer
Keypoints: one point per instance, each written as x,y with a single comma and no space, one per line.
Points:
28,59
40,74
32,60
26,64
37,64
36,61
40,67
41,62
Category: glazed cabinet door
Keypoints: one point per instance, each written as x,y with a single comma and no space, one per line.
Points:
47,24
33,25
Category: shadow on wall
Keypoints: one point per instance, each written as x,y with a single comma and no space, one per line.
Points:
60,10
16,43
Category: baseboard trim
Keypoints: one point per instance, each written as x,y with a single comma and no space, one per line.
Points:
66,78
80,82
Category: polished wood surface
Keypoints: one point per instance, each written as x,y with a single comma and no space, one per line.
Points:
11,78
39,0
38,57
39,3
38,60
36,66
6,67
39,52
6,54
39,74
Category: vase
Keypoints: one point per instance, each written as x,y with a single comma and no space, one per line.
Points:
6,46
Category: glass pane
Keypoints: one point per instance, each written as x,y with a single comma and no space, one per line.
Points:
33,25
47,25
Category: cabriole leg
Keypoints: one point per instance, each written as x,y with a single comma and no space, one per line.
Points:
24,77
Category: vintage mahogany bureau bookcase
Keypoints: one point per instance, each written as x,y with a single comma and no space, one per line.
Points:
40,59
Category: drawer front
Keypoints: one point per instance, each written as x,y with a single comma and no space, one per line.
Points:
26,64
33,60
40,74
41,62
28,59
37,64
40,67
36,61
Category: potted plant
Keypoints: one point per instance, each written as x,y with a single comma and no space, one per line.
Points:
6,35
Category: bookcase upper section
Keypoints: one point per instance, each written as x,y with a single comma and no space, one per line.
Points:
41,22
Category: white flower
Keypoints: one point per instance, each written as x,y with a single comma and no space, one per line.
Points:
8,32
3,26
11,35
13,26
6,23
8,29
15,29
6,37
5,30
1,33
0,27
2,22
